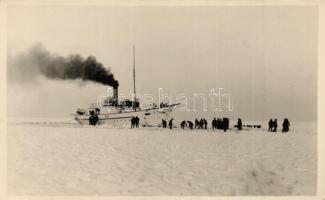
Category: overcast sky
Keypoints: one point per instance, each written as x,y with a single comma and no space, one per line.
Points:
265,57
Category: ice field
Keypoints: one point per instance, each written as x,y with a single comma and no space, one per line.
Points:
56,158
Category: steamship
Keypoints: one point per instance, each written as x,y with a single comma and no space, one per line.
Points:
117,112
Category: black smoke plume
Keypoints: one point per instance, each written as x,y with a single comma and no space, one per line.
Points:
39,61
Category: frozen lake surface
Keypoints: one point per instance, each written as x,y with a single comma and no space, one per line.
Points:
56,158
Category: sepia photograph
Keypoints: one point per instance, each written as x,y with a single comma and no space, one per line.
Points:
139,99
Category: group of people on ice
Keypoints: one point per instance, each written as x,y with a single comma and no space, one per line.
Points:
223,124
199,124
202,124
273,125
188,124
170,124
135,122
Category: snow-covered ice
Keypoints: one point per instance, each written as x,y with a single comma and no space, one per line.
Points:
70,159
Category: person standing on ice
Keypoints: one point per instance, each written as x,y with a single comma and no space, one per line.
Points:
132,122
285,125
137,121
270,125
239,124
196,123
170,124
93,118
275,125
201,124
225,124
164,123
214,123
183,124
205,122
219,123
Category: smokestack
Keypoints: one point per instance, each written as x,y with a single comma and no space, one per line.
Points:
115,92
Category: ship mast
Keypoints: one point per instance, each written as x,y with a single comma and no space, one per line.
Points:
135,97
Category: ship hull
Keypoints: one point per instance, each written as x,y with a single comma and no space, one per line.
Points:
148,118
